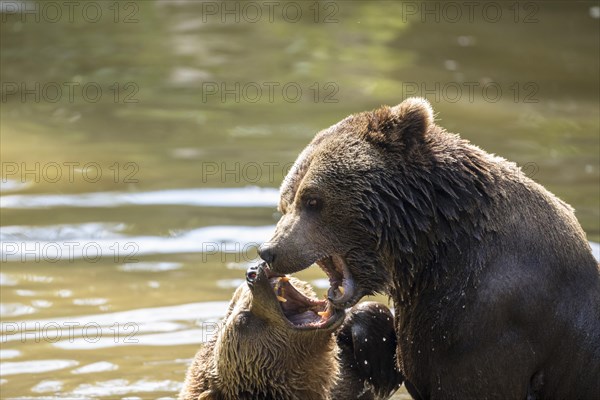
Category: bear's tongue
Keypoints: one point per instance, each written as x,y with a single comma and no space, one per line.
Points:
297,308
307,317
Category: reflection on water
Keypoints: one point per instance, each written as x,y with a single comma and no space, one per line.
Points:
119,387
4,354
35,367
95,367
113,275
19,247
233,197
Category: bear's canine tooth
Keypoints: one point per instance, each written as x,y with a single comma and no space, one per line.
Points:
277,287
281,299
341,289
325,313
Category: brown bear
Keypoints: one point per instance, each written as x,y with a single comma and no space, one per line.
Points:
277,342
495,288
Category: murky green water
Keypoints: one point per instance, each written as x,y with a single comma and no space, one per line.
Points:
136,175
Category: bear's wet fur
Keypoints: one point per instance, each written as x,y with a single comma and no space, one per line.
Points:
496,290
257,354
367,343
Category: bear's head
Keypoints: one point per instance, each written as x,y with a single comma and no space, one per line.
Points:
274,331
364,196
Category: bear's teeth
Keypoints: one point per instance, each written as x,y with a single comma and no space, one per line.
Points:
341,289
278,289
284,279
281,299
324,314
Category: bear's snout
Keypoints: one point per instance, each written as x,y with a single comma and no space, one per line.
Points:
267,252
294,245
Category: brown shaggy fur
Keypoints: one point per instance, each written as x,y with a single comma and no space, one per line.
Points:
256,355
260,354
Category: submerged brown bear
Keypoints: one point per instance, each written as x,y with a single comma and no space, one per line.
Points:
277,342
495,288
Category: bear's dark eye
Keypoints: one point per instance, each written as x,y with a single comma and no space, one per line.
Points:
313,203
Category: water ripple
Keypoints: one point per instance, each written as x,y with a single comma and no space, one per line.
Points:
34,367
211,239
48,386
119,387
100,366
15,309
250,196
9,353
182,312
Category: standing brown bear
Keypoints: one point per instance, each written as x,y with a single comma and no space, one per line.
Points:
496,290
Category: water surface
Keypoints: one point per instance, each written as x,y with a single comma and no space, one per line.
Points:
110,283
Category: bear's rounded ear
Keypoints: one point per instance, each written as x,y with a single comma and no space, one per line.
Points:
404,124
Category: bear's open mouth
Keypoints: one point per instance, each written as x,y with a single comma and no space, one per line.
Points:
341,284
303,312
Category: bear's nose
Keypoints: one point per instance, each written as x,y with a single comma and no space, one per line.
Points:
267,252
251,274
